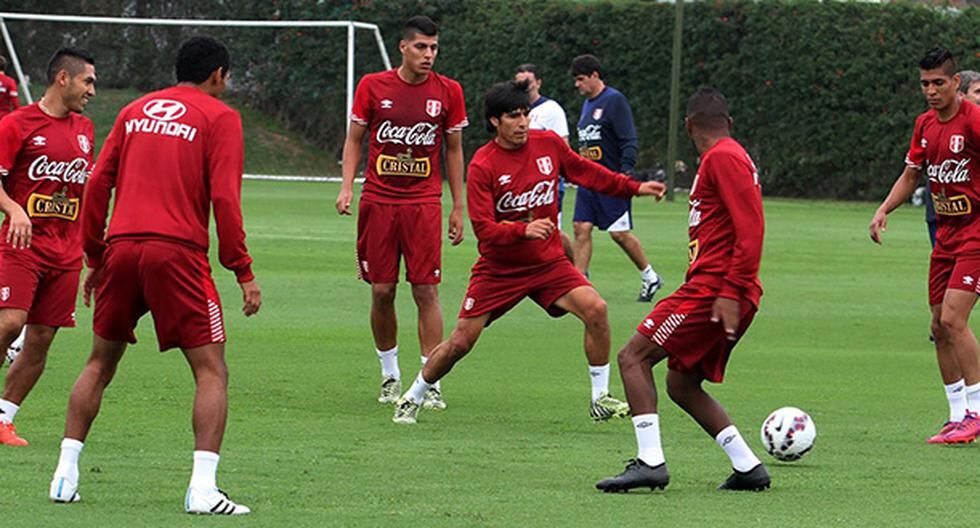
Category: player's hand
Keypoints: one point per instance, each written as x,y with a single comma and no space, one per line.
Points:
252,297
539,229
456,226
19,230
877,227
92,280
652,188
344,198
726,311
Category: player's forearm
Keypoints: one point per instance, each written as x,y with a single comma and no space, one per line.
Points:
232,251
454,173
902,190
351,160
7,204
628,153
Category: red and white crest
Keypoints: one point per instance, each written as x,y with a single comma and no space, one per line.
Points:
956,143
83,143
545,165
4,293
433,107
597,114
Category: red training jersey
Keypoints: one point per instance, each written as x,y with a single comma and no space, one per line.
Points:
171,156
8,95
406,123
44,162
726,224
506,189
945,151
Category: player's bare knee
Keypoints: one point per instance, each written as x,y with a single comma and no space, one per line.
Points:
596,314
383,293
620,237
425,295
459,345
41,335
951,323
11,323
629,357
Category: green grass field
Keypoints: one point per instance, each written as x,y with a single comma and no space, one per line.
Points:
842,333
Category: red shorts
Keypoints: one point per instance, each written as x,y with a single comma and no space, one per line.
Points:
681,325
948,272
495,292
386,232
46,294
171,281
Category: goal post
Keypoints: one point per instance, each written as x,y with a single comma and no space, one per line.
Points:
351,27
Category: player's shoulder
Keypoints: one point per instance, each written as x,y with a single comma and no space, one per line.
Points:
379,77
928,116
481,158
445,80
725,151
544,138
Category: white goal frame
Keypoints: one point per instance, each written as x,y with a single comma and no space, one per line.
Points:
351,26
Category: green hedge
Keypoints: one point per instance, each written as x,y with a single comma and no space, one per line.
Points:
823,94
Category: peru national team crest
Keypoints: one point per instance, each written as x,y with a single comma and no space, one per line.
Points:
597,114
84,144
545,165
956,143
433,107
4,293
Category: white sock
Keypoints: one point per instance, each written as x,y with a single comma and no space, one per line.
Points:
389,363
735,447
419,386
436,384
18,343
68,461
8,411
647,429
973,397
600,380
205,474
956,394
648,274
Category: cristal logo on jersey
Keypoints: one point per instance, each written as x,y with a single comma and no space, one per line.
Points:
164,109
422,134
57,206
433,107
403,164
83,143
956,143
161,116
544,165
74,171
543,193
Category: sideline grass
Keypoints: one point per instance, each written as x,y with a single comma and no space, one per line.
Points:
842,333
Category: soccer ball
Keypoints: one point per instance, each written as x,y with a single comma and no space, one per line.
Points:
788,434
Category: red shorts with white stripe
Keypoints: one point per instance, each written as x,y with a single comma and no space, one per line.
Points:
46,294
170,280
949,272
387,233
681,325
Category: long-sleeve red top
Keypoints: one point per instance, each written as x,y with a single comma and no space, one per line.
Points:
726,224
506,189
171,156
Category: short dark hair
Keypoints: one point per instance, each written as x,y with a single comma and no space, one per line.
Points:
529,68
586,65
70,59
939,57
198,57
708,109
419,25
503,98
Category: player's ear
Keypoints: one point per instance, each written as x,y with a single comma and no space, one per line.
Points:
731,123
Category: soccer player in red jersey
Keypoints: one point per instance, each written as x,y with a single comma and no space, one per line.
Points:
512,193
8,91
171,157
45,159
944,143
409,112
697,327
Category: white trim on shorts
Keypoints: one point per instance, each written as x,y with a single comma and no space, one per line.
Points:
623,223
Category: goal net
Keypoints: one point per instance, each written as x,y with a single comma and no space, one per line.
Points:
292,80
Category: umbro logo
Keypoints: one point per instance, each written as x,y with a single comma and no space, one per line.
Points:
728,439
968,280
643,425
386,104
39,141
648,323
437,273
504,179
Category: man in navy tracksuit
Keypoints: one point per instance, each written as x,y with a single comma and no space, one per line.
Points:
606,135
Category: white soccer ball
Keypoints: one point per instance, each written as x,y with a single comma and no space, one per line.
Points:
788,434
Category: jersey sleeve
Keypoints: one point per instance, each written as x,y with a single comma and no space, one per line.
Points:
14,96
479,205
557,121
98,192
360,112
225,163
916,155
592,175
737,186
622,122
11,140
456,119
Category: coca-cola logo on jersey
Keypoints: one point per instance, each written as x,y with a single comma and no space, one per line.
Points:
420,134
543,193
950,171
74,171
